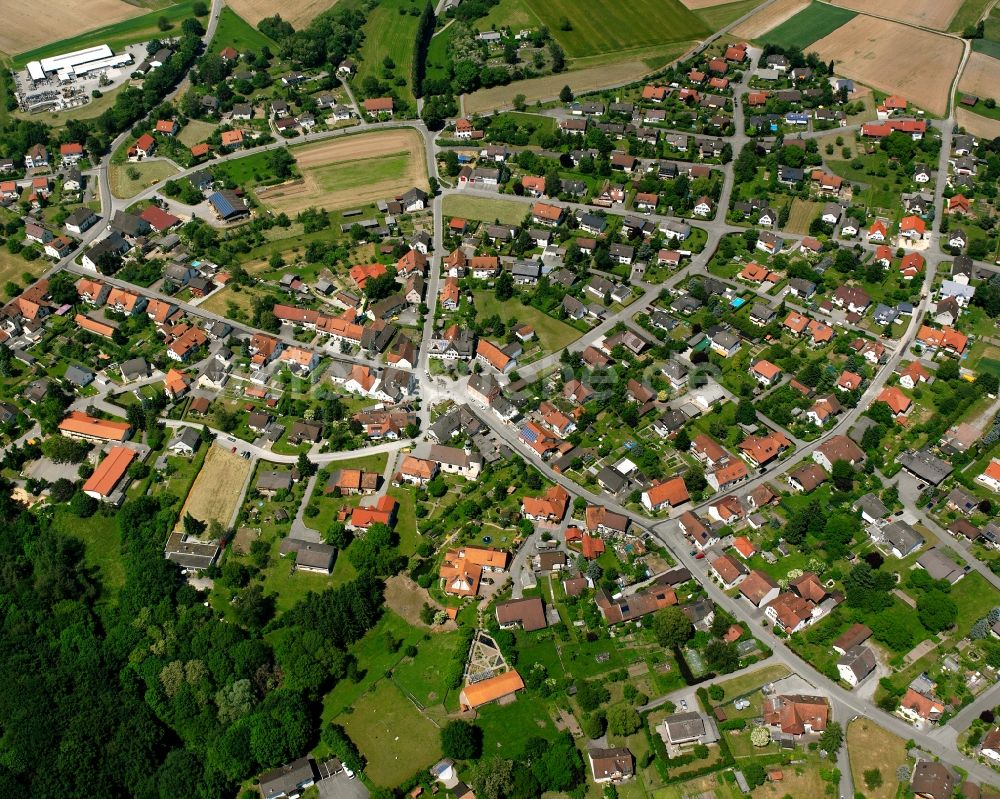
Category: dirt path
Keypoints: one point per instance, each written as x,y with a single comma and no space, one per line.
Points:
407,599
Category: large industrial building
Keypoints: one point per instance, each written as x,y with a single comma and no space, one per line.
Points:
77,64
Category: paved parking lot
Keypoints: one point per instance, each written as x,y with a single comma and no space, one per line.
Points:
339,787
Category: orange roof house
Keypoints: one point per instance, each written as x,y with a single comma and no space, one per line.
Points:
361,274
795,714
79,425
897,401
551,506
766,371
947,338
760,450
199,150
231,138
672,492
175,383
912,225
592,547
916,705
796,322
821,333
959,204
109,473
849,381
744,546
94,326
500,688
534,185
382,512
755,273
911,265
459,577
488,352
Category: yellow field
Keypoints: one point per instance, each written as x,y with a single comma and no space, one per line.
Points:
298,12
981,76
769,17
983,127
351,171
30,25
927,13
893,58
217,488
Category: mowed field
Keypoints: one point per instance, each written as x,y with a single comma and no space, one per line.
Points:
351,171
150,172
217,488
547,88
610,26
870,747
298,12
893,58
801,215
927,13
481,209
29,25
768,18
809,25
981,76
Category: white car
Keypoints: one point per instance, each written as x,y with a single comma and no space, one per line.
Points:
349,773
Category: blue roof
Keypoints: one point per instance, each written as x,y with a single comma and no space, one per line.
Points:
222,205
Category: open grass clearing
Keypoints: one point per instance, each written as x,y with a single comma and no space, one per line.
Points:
12,267
516,14
43,26
769,17
610,26
801,215
233,31
752,680
390,34
810,24
892,58
801,779
350,172
507,727
124,185
969,13
975,598
870,747
99,533
217,488
396,739
507,212
925,13
714,785
589,77
195,131
553,334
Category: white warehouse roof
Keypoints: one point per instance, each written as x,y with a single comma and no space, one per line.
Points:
75,58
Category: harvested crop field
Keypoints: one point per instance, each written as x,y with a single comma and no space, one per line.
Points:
217,488
977,125
927,13
31,26
891,57
768,18
351,171
696,4
548,88
981,76
298,12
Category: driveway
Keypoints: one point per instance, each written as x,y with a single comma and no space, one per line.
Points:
340,787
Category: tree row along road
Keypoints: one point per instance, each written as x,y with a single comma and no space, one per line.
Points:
844,702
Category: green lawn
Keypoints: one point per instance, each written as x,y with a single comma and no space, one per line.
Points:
425,677
390,34
507,212
128,31
809,25
395,738
553,334
251,168
719,16
609,26
975,598
354,174
103,549
507,727
437,54
515,14
233,31
990,47
751,680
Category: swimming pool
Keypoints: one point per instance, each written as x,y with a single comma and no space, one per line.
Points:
737,303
